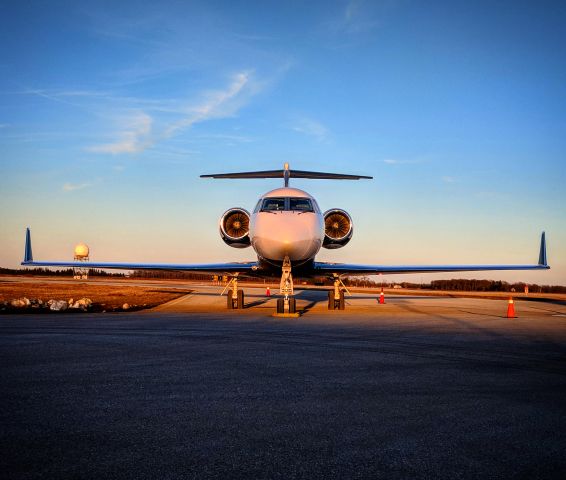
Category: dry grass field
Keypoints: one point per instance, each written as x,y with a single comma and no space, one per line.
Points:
104,297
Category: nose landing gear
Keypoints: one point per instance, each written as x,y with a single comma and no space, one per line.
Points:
286,305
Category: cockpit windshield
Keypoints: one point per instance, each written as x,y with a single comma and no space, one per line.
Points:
278,204
300,205
273,205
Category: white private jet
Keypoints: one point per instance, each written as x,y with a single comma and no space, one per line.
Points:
286,230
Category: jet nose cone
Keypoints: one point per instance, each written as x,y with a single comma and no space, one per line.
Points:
298,236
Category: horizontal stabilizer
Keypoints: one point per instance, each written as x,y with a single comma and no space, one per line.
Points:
287,173
292,174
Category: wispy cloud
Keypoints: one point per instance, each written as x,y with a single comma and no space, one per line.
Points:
138,131
70,187
352,11
4,125
135,138
80,93
448,179
395,161
357,17
169,47
53,96
218,104
224,137
310,127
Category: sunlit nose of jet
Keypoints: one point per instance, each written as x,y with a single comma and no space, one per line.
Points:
296,235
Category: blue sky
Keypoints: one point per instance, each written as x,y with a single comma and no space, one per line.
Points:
109,113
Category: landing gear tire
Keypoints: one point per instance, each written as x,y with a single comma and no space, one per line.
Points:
341,302
240,299
235,303
330,299
280,305
292,305
334,304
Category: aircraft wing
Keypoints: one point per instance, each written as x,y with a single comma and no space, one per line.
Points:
219,268
342,269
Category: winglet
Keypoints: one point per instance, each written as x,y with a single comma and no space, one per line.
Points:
28,255
542,254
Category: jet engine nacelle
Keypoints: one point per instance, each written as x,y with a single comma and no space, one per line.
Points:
338,228
235,228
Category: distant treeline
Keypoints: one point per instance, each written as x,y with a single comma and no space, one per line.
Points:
68,272
473,285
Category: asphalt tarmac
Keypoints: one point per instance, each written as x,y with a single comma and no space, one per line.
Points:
421,387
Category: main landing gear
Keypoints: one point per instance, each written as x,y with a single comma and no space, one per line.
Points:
235,297
336,295
287,304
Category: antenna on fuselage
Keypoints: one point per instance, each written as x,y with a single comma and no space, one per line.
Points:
287,173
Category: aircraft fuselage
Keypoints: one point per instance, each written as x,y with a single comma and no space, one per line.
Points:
287,222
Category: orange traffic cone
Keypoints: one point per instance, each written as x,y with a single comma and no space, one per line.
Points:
268,292
381,297
511,309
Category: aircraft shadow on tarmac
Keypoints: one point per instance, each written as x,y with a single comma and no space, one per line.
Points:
256,303
312,297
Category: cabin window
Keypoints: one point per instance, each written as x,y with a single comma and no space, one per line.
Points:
273,205
300,205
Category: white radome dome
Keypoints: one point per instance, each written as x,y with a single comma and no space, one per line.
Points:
81,250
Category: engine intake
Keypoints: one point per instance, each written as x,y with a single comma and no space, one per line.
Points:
235,228
338,228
